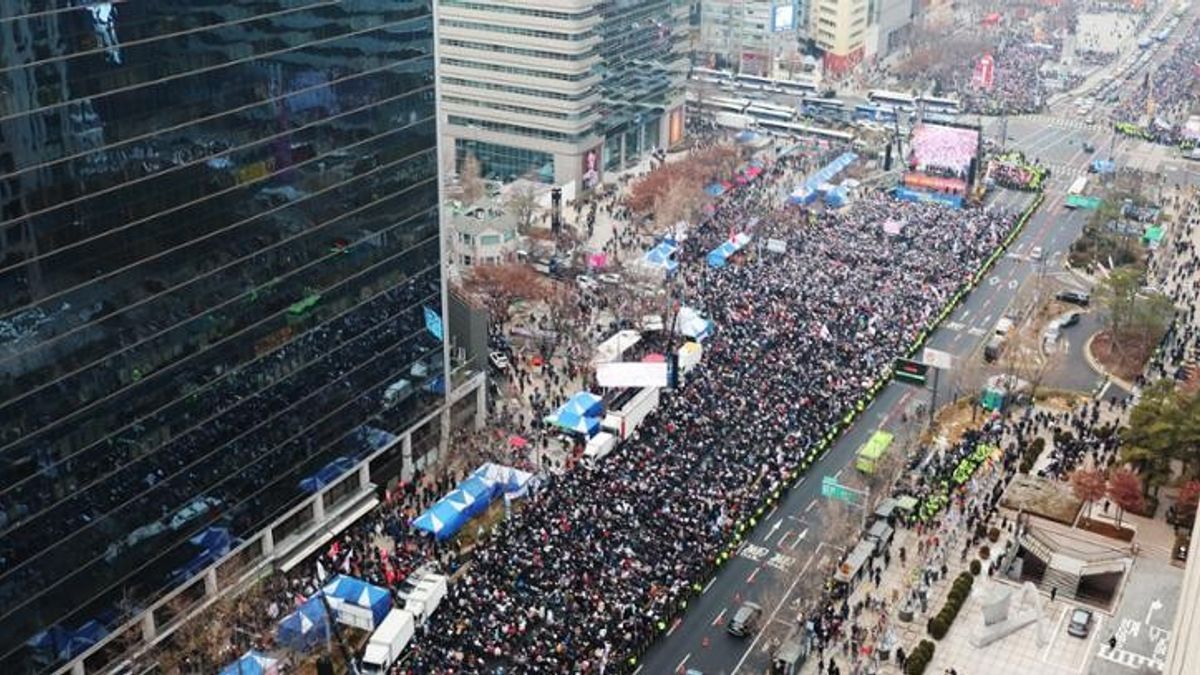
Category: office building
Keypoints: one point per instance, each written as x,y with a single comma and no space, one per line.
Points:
220,300
560,92
839,29
753,37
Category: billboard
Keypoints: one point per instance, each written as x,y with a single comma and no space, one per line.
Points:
783,15
591,167
621,374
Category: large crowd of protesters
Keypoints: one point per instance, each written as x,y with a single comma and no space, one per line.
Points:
588,570
1162,101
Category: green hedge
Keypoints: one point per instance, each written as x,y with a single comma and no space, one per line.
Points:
959,591
919,659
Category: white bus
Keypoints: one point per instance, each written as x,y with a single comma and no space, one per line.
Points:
771,111
737,105
797,87
936,104
806,130
711,76
891,98
757,83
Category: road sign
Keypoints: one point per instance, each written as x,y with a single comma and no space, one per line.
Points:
912,372
834,490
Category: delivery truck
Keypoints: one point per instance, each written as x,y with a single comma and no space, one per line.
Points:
388,642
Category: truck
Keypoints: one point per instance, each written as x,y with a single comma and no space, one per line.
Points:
873,450
599,447
424,598
388,642
995,344
792,653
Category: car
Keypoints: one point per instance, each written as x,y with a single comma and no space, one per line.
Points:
1069,320
499,360
1088,147
745,619
1074,298
610,278
1081,623
1035,253
586,283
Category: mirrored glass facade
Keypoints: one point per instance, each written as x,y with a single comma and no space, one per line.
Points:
218,246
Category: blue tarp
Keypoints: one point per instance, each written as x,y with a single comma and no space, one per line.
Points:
360,593
715,190
304,628
328,474
836,197
251,663
477,492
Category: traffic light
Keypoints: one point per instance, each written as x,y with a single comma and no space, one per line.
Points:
912,372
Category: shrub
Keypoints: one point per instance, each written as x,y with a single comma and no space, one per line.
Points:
937,627
984,552
993,535
976,567
919,659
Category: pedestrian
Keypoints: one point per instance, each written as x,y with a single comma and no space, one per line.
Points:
1053,593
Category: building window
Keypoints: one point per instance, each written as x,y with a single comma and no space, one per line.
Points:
505,163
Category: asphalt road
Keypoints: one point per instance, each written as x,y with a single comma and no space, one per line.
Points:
782,557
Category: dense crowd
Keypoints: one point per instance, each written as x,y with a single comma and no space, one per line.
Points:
1174,267
1161,102
1018,84
594,564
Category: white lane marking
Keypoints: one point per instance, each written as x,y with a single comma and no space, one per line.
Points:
775,613
679,667
708,585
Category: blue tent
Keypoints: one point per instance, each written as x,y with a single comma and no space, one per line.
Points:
358,592
328,474
573,421
660,257
442,520
251,663
479,487
584,403
304,628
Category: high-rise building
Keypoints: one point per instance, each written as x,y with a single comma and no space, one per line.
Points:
220,297
563,91
839,28
754,37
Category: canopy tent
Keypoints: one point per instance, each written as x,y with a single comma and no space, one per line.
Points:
481,488
252,663
585,404
659,257
328,474
572,421
442,520
720,255
514,483
689,355
304,628
357,592
690,323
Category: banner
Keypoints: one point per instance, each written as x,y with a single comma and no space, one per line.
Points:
985,73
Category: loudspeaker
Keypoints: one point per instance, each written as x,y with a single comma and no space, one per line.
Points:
971,170
887,158
555,209
324,666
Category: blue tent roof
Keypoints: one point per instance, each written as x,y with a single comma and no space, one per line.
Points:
660,256
304,628
358,592
585,404
442,520
250,663
479,487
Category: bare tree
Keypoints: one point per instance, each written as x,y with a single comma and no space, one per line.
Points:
522,204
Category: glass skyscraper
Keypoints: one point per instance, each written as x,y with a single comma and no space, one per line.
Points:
219,278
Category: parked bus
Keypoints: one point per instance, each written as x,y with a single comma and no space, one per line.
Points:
737,105
710,75
806,130
756,82
797,87
891,97
940,105
873,450
874,113
771,111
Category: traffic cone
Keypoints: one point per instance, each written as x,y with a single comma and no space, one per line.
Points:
704,642
737,598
